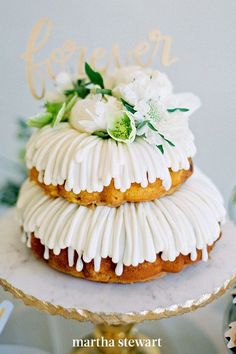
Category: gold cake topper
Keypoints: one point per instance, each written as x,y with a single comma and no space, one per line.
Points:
143,54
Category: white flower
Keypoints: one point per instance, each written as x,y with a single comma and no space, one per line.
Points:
63,82
125,75
184,100
152,118
145,87
150,93
91,114
142,103
152,110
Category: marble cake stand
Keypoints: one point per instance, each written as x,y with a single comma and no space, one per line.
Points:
113,308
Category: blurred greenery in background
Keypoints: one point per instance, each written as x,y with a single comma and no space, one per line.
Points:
232,206
9,188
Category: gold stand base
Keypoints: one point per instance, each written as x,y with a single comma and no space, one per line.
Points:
117,340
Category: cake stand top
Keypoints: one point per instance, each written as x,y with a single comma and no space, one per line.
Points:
38,285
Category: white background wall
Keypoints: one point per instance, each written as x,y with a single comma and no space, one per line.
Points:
204,34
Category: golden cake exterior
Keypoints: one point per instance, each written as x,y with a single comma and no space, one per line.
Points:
141,273
114,197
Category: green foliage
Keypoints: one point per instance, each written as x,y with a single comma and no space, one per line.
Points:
171,110
9,193
161,148
53,107
40,120
55,113
94,76
101,134
80,89
23,130
128,106
168,141
10,189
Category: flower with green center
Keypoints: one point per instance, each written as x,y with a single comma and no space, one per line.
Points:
154,111
121,127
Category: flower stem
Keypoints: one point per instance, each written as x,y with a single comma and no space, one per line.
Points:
104,91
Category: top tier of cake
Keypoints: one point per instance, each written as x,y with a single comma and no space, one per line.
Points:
124,135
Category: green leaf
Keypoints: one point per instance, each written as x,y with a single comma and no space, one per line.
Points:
9,193
101,134
94,76
53,107
70,92
160,147
65,109
70,104
149,124
141,124
171,110
57,118
168,141
80,90
81,82
40,120
128,106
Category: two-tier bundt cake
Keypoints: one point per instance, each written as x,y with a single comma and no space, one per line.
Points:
111,194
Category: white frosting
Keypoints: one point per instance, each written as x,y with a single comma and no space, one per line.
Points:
85,162
131,234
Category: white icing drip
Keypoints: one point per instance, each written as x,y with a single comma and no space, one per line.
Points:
97,263
204,254
85,162
28,243
119,269
79,265
56,250
71,254
46,253
193,255
131,234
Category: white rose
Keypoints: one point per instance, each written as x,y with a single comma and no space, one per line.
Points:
91,113
124,75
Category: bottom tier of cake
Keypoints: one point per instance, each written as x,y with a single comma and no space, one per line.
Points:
106,274
131,243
